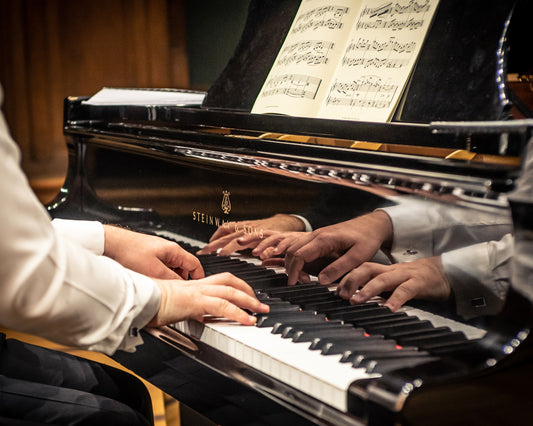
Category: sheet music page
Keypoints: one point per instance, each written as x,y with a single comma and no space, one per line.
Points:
300,75
144,97
379,57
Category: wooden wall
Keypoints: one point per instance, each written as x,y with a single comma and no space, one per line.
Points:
51,49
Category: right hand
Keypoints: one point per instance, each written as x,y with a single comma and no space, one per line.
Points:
350,243
220,295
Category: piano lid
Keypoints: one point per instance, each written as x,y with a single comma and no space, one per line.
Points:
460,75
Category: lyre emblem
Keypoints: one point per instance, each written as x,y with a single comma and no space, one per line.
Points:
226,203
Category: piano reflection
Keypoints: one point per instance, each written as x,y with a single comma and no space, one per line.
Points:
182,172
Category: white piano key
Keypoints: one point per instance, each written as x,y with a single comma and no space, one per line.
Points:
322,377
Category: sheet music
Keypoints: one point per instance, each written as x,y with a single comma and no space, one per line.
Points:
122,96
381,53
310,53
347,61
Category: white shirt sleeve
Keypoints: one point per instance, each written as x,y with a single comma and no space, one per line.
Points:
479,276
475,257
425,228
55,288
86,233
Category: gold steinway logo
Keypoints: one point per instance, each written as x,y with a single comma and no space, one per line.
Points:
226,203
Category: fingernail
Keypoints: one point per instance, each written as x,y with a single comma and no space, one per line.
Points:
252,319
357,298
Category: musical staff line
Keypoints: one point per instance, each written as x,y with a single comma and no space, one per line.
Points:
310,52
292,85
330,17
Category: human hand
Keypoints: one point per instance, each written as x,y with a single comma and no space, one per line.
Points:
349,243
221,295
422,279
235,236
150,255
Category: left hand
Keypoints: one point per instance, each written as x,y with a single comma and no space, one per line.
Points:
150,255
422,279
235,236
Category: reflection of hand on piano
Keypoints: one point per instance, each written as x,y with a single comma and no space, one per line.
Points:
235,236
350,243
220,295
422,279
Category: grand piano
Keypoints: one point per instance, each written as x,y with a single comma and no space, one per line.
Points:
182,171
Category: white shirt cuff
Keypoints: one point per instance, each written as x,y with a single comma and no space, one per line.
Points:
88,234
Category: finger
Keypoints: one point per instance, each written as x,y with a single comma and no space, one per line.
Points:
158,269
339,267
228,228
268,243
229,280
185,264
273,262
219,243
355,279
294,241
403,293
302,251
233,296
223,308
233,246
249,241
386,281
304,278
293,265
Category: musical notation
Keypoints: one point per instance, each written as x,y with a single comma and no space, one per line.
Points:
392,45
350,60
330,17
366,92
378,53
310,52
385,16
292,85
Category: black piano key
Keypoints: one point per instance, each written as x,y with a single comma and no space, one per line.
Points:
321,296
234,269
318,336
355,319
296,290
342,338
323,306
390,329
282,308
293,330
392,364
268,320
215,262
346,347
311,335
339,310
385,321
274,303
438,331
301,321
469,348
360,360
278,280
434,340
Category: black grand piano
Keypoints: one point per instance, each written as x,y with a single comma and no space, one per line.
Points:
181,171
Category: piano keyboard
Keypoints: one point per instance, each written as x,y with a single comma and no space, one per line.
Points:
316,342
